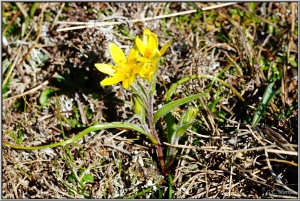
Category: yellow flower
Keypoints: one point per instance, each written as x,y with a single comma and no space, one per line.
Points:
149,49
147,71
124,70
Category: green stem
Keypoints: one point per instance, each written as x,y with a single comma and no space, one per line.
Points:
155,135
149,105
83,133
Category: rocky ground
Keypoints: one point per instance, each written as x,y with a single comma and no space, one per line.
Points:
51,92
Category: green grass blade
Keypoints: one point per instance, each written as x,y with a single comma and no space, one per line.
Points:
139,193
170,186
267,97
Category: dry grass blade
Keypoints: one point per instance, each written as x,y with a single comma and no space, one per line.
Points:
277,179
33,45
292,153
117,148
11,21
57,189
16,58
58,14
282,196
96,24
22,9
87,25
31,90
210,148
281,161
218,6
261,18
277,138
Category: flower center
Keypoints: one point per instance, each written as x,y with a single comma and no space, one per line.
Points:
147,53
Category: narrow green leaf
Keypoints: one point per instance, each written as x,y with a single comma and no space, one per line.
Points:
181,130
139,108
214,104
139,193
33,8
171,126
266,99
168,107
170,186
101,126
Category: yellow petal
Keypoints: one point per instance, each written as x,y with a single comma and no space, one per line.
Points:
142,74
133,54
111,80
147,31
152,41
127,82
165,47
143,59
138,68
146,73
117,54
106,68
146,35
140,45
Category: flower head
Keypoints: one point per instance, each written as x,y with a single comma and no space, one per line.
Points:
124,70
147,71
149,49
